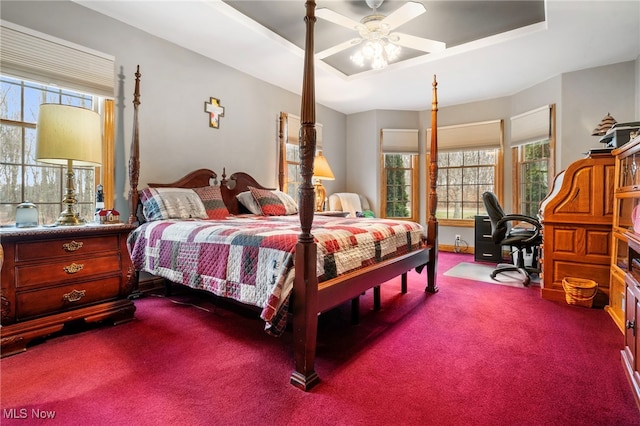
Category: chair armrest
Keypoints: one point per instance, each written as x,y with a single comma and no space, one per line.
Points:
522,218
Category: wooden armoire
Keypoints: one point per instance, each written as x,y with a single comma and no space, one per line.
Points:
577,218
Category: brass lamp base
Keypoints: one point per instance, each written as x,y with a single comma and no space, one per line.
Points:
69,218
321,194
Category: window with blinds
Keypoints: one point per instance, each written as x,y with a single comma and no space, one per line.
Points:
469,163
399,149
37,68
532,145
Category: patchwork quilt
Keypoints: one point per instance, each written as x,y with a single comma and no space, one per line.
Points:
251,259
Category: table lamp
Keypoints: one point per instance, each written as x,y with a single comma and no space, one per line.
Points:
321,170
67,135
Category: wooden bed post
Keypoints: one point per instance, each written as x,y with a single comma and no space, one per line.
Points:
282,147
432,222
134,157
305,287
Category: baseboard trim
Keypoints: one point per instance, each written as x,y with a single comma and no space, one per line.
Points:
453,249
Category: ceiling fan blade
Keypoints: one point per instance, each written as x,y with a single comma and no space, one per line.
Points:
403,14
417,43
336,18
338,48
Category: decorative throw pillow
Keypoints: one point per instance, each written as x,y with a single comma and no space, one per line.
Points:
212,199
269,202
289,203
171,203
247,200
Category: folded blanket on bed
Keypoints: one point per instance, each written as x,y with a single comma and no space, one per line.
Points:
350,203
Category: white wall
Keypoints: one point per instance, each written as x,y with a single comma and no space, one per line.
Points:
362,156
587,96
175,136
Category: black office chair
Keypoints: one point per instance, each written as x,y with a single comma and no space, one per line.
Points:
522,239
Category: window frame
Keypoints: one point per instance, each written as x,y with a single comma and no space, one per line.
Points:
518,162
415,186
498,187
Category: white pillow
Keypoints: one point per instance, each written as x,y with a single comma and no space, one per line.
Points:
172,203
246,199
288,201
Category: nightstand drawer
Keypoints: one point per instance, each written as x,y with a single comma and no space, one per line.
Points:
65,270
33,250
35,303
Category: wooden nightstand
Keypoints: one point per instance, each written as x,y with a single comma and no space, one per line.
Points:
53,276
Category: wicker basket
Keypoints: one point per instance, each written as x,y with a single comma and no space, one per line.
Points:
579,291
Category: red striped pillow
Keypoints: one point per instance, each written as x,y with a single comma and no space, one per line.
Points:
212,199
269,202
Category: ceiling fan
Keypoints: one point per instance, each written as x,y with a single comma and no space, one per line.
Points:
381,45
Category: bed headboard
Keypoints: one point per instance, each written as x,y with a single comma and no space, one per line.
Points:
195,179
238,182
229,188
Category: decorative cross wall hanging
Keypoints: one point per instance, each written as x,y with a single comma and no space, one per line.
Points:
215,112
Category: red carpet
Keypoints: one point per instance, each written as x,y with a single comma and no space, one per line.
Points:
473,354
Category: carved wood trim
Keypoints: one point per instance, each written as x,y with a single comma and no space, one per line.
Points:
134,157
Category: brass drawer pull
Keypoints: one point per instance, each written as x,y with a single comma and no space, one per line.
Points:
72,246
73,268
74,295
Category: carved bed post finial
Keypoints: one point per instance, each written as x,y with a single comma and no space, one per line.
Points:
224,181
433,167
432,222
282,147
134,158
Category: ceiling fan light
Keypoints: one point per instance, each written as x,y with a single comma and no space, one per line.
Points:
392,51
358,59
378,63
369,49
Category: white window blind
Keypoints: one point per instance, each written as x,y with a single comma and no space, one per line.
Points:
485,134
30,55
531,126
399,141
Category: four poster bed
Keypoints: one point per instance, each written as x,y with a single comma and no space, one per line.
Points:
290,265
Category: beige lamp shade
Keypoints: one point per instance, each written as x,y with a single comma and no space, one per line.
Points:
66,133
321,169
